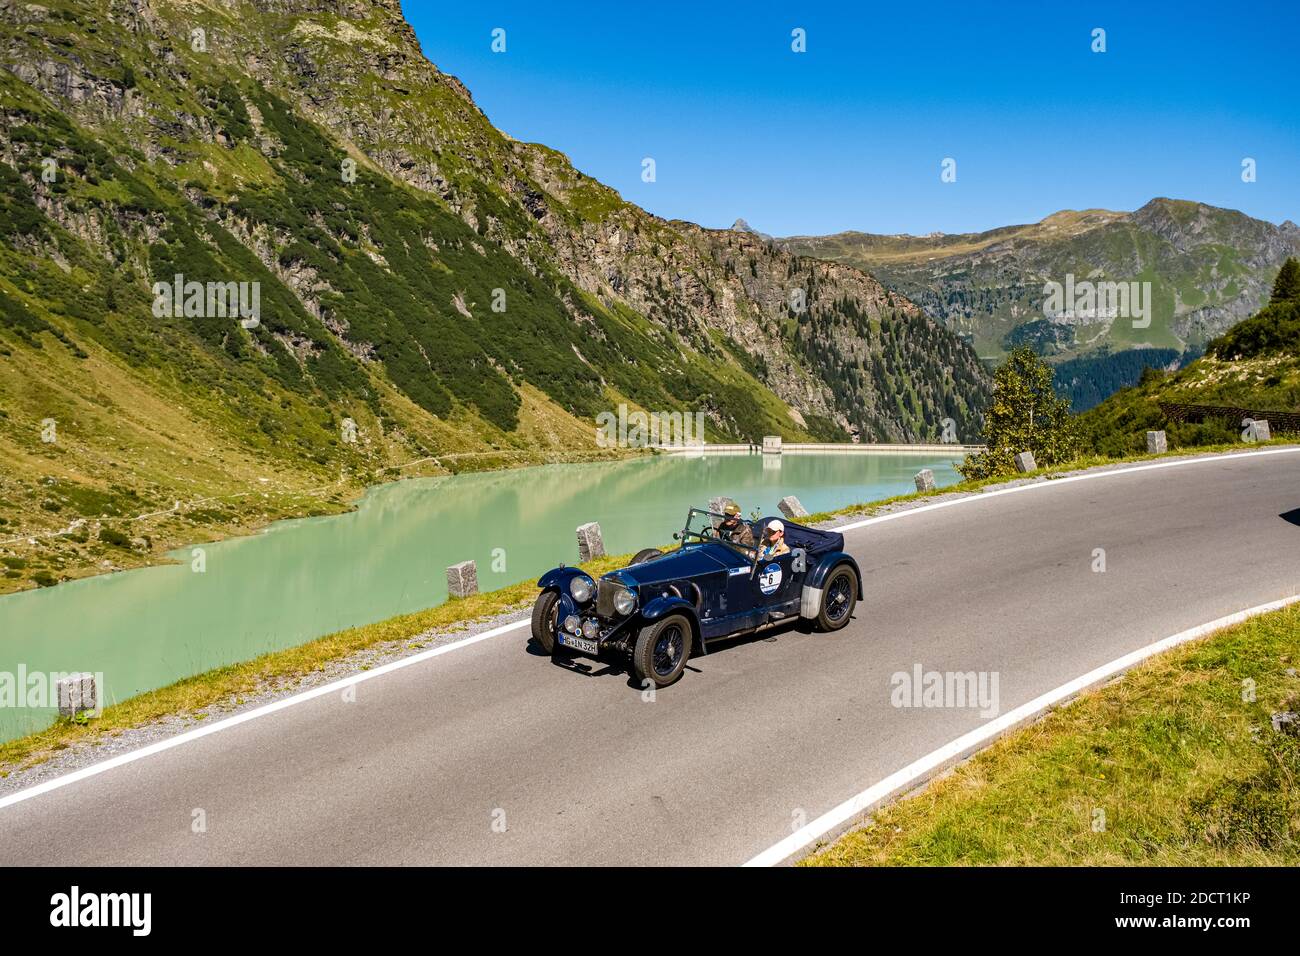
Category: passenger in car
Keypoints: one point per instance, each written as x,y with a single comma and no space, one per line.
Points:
773,540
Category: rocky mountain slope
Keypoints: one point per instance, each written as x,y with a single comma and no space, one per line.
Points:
430,293
1208,268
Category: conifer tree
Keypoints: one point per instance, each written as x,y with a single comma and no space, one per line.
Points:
1286,287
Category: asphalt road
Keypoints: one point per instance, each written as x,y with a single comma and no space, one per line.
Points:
432,762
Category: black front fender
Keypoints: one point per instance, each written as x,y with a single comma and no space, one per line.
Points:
558,578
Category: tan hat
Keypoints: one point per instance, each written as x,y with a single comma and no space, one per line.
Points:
731,509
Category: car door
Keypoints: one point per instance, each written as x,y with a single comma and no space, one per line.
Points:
725,605
777,581
737,609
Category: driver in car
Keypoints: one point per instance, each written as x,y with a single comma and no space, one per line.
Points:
773,540
732,529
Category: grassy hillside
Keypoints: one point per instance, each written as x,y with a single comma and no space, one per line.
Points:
1254,365
148,410
433,295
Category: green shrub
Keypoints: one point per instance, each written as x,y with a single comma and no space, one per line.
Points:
1026,415
115,538
1275,328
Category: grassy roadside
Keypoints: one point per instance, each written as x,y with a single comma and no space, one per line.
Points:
1168,766
233,683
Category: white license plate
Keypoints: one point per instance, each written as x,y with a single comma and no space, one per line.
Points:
579,644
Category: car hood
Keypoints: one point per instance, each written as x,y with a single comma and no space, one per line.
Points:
684,563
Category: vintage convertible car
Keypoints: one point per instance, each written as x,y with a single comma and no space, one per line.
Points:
665,605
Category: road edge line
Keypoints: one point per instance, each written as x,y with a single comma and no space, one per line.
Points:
160,746
1049,482
839,820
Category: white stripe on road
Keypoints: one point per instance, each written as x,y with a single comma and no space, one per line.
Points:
95,769
1057,482
921,770
163,745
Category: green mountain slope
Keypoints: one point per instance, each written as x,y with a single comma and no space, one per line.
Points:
1088,380
462,299
1255,365
1208,268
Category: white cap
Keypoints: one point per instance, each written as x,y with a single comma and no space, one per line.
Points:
775,525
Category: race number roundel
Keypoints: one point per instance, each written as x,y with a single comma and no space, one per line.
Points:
770,579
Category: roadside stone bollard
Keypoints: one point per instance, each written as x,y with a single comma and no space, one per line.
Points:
590,543
791,507
1025,461
1157,444
771,444
462,579
77,694
925,480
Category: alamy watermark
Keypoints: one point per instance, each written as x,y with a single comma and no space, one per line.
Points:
75,908
40,689
1089,301
208,300
950,689
638,429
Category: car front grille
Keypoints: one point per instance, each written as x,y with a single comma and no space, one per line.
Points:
605,591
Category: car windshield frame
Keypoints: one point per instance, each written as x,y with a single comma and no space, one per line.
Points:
688,534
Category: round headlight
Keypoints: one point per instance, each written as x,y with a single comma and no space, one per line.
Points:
580,587
624,601
571,624
590,629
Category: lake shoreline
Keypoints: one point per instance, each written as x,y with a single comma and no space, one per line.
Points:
300,505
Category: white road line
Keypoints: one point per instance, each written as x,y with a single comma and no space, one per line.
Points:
1057,482
920,770
156,748
162,745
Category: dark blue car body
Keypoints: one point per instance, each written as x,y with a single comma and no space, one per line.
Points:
720,589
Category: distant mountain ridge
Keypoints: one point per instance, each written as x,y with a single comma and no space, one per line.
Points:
1208,268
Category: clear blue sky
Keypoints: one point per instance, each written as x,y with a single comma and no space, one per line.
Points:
852,133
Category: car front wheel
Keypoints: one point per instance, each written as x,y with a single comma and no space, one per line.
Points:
545,612
661,650
839,596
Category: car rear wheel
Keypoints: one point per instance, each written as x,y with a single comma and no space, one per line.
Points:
545,613
645,554
661,650
839,596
